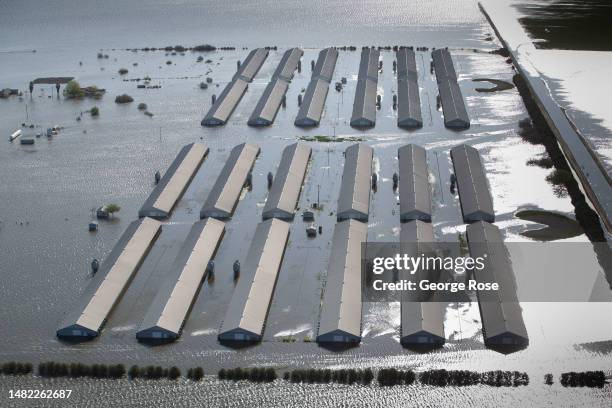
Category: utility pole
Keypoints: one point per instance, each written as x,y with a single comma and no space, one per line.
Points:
27,115
318,196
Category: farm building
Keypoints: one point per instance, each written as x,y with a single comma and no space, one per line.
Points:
340,319
171,186
287,185
224,195
247,312
168,312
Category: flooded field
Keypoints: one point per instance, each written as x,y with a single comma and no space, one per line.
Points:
49,193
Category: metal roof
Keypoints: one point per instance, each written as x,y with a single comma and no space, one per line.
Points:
288,64
269,103
422,322
287,184
248,309
406,64
443,64
224,195
115,274
220,112
368,65
364,106
453,106
251,65
415,193
408,104
354,200
313,103
326,63
474,194
500,311
170,188
340,319
168,311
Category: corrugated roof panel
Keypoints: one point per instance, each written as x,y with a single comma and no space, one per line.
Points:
251,65
288,64
415,193
340,319
224,195
325,65
354,200
287,184
170,307
500,311
248,308
174,182
408,104
313,103
422,322
368,65
220,112
443,65
364,106
474,194
453,105
107,286
269,103
406,64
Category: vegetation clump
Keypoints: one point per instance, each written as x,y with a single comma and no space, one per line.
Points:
123,71
390,376
204,47
78,370
326,376
591,379
73,90
142,106
125,98
14,368
95,111
254,374
195,374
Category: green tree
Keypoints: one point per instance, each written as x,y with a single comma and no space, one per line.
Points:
73,90
112,208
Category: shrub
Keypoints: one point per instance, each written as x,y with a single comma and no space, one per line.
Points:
94,111
73,90
204,47
142,106
174,373
125,98
123,71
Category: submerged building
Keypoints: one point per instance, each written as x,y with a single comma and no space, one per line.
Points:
266,109
94,306
354,200
500,311
223,197
248,309
474,194
453,105
221,110
408,99
311,110
340,318
422,320
175,181
168,312
364,105
414,191
287,184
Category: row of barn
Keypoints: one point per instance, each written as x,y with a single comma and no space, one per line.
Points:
341,306
365,103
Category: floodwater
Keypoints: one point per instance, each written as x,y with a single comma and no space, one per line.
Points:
48,193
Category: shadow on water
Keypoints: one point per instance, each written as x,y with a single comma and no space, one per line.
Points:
557,226
573,25
238,345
